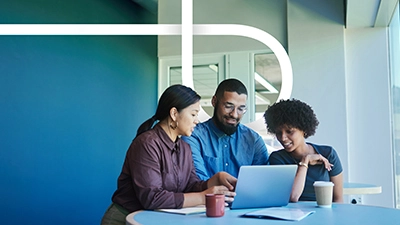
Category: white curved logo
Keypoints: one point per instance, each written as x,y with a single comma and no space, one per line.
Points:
187,30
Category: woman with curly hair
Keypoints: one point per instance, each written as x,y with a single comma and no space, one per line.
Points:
292,121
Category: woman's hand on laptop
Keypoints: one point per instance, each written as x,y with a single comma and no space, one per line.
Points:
222,178
227,180
221,190
222,183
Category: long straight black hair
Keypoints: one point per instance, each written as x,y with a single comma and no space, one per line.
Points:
178,96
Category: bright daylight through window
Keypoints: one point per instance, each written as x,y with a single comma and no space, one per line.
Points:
394,43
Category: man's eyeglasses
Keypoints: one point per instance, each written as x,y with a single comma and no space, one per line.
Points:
229,108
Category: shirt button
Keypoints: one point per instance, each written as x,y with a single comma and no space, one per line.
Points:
225,146
226,164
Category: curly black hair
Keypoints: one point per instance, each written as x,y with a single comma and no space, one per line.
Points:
293,113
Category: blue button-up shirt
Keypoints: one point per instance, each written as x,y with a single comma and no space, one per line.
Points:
214,151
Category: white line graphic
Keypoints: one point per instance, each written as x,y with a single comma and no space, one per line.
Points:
187,43
167,29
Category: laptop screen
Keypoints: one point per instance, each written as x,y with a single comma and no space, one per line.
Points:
264,186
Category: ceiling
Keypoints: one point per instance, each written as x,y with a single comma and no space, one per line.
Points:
358,13
369,13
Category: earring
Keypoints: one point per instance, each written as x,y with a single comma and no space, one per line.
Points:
173,127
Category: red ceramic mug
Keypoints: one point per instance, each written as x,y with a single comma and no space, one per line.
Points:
215,205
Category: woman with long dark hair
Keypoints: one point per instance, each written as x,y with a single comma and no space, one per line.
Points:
158,171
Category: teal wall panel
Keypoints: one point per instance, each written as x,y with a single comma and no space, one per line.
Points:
69,108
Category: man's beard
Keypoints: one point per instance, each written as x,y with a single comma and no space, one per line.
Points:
226,128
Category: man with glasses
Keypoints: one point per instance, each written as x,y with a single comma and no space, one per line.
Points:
222,143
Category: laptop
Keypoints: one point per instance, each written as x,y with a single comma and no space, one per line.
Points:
264,186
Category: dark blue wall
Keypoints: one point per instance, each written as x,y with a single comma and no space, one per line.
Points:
69,108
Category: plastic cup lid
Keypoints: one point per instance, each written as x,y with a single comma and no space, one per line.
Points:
323,183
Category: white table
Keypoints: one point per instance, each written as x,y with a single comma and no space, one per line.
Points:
355,191
361,189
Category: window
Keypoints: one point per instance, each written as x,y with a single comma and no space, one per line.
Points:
205,81
267,81
208,71
259,71
263,84
394,44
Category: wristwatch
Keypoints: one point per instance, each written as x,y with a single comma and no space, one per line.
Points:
303,164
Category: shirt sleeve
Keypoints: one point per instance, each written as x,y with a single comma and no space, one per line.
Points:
147,177
261,152
198,160
194,184
337,165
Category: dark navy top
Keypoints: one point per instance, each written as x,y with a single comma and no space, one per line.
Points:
314,172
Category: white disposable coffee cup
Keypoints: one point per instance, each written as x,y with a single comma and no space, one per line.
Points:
323,193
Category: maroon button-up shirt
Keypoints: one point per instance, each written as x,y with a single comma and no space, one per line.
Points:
156,173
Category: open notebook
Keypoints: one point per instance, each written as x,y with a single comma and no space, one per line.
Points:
185,211
282,213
